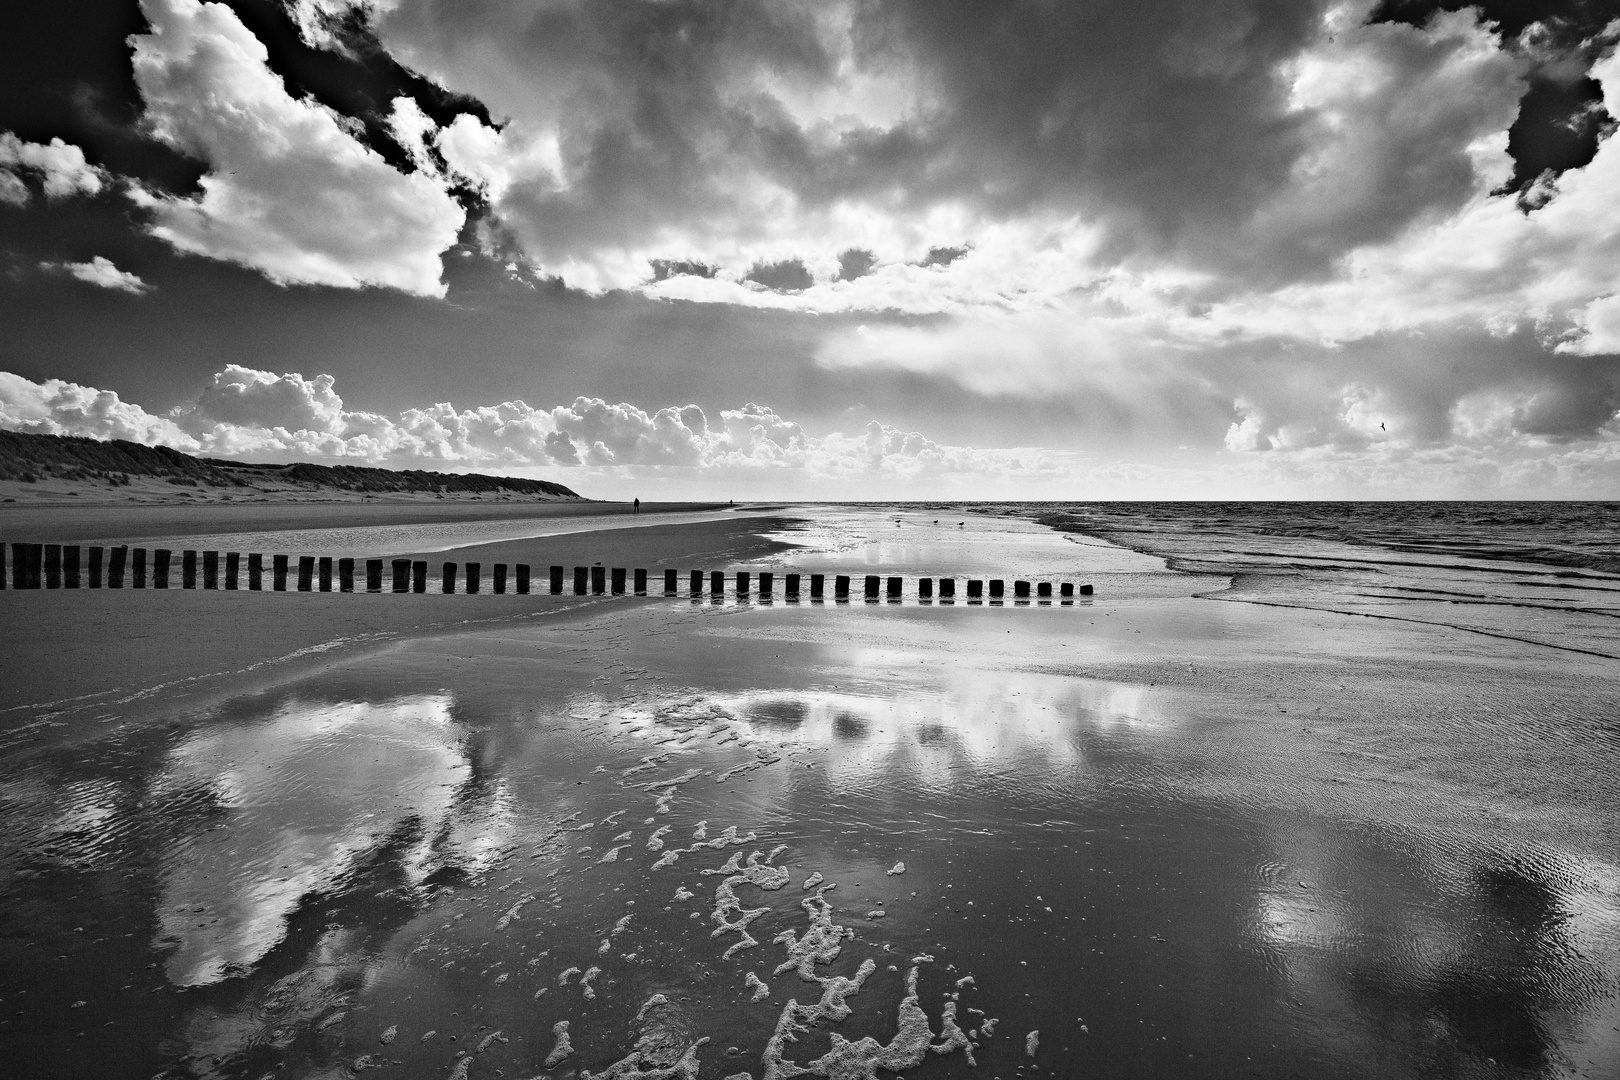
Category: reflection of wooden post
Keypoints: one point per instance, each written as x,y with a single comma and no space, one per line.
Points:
52,558
188,569
1085,590
925,588
947,588
671,580
255,571
790,586
1044,590
115,566
211,570
742,583
1021,590
419,576
872,582
556,580
639,579
500,579
325,569
717,584
522,569
137,568
160,568
96,556
582,580
618,581
766,580
278,573
233,569
841,587
4,578
447,578
696,586
598,579
306,573
975,589
373,575
818,586
1066,590
346,575
895,587
70,566
998,588
472,577
400,574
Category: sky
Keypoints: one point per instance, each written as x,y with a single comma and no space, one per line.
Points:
863,249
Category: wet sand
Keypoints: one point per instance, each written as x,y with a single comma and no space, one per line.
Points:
1150,835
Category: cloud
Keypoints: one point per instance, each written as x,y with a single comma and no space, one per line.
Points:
101,271
290,191
60,167
55,407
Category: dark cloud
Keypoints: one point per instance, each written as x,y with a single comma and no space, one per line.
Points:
855,263
788,275
943,256
664,269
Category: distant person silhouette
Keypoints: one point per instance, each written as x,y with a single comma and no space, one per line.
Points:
637,508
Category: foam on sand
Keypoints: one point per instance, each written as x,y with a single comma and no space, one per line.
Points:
563,1047
729,915
761,989
664,1049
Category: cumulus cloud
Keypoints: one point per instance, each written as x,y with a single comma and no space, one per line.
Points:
55,407
290,191
101,271
61,168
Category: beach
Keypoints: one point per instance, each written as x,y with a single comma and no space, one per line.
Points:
1197,824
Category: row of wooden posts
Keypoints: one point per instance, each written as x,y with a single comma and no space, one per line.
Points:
58,566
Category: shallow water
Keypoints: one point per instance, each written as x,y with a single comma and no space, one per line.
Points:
1151,830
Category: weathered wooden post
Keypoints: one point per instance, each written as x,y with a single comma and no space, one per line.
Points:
419,576
500,579
3,577
766,581
1066,590
582,580
115,566
278,573
472,577
841,587
188,569
872,583
70,566
400,580
97,557
998,588
742,583
233,569
346,575
598,579
790,586
1020,590
160,568
255,572
672,580
374,575
696,586
618,581
895,587
818,586
324,571
53,566
137,568
1085,590
975,590
947,589
925,588
522,569
211,570
447,578
639,580
717,584
306,573
556,580
1043,590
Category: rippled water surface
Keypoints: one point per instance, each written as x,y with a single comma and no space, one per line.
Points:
1147,836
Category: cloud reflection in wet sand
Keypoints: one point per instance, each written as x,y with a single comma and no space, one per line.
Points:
290,802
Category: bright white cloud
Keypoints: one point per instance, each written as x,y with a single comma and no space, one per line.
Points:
55,407
101,271
61,168
289,190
